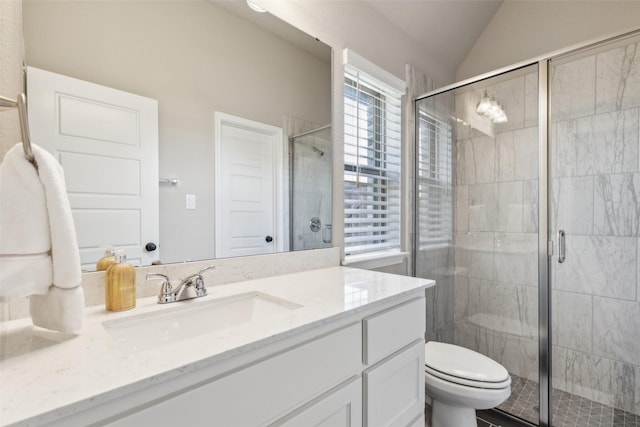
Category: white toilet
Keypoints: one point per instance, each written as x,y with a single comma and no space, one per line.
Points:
459,381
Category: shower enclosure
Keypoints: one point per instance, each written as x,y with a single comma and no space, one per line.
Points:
527,186
310,189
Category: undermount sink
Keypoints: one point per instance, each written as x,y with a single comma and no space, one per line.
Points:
190,319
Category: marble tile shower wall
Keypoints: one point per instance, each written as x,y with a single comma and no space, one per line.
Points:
495,308
595,116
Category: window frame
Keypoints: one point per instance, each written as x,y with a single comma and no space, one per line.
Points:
387,227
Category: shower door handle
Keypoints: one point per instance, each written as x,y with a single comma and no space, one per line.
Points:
562,247
326,233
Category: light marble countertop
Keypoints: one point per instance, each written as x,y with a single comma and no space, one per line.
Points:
46,375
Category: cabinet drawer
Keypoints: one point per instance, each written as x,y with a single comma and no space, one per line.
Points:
340,407
393,329
262,392
395,388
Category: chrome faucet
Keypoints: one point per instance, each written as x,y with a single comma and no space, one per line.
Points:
191,287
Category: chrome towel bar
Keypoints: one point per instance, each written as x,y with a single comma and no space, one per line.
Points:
21,104
173,181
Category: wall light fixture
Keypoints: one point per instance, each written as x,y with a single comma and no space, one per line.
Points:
489,108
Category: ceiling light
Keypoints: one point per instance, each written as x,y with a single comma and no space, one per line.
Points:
255,7
489,108
484,105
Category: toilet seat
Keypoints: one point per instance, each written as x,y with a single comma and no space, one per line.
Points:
467,382
462,366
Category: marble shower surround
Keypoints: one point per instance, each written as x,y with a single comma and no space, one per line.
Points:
595,144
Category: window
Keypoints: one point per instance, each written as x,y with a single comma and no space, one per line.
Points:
434,181
372,138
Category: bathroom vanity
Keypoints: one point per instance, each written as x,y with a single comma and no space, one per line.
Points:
335,346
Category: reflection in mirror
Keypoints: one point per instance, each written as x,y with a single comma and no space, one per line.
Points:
196,59
310,184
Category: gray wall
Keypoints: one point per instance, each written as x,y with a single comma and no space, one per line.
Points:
10,70
194,58
521,30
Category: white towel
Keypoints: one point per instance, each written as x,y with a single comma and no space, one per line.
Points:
59,309
38,246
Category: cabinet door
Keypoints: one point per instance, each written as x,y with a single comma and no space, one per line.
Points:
341,408
395,388
418,421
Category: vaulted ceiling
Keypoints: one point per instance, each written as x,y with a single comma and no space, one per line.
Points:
447,28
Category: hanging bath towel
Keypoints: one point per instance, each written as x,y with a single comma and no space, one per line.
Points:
38,248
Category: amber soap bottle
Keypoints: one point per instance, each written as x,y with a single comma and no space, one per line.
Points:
120,285
107,260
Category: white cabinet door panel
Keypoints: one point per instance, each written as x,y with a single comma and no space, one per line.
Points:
418,421
395,388
340,408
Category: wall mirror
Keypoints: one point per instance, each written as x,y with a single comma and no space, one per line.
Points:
206,63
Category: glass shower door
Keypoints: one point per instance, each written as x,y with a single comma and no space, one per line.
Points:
594,174
477,223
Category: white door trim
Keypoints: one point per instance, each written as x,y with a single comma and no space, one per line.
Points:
280,222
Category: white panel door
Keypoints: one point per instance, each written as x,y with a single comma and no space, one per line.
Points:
248,187
107,143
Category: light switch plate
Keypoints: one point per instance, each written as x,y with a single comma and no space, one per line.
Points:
191,201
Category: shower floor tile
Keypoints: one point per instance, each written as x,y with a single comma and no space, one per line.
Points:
568,410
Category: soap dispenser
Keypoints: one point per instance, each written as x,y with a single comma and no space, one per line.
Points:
107,260
120,285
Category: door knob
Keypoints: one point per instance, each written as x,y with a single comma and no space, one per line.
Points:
150,247
268,239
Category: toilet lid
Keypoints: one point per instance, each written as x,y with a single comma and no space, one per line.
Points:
459,362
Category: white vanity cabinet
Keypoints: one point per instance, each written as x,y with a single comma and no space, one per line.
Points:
330,362
367,373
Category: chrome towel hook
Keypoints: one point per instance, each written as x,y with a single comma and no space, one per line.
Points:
20,103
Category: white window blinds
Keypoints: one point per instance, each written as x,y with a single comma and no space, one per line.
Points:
372,138
435,210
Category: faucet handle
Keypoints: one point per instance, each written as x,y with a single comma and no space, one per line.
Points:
197,281
199,285
211,267
166,291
